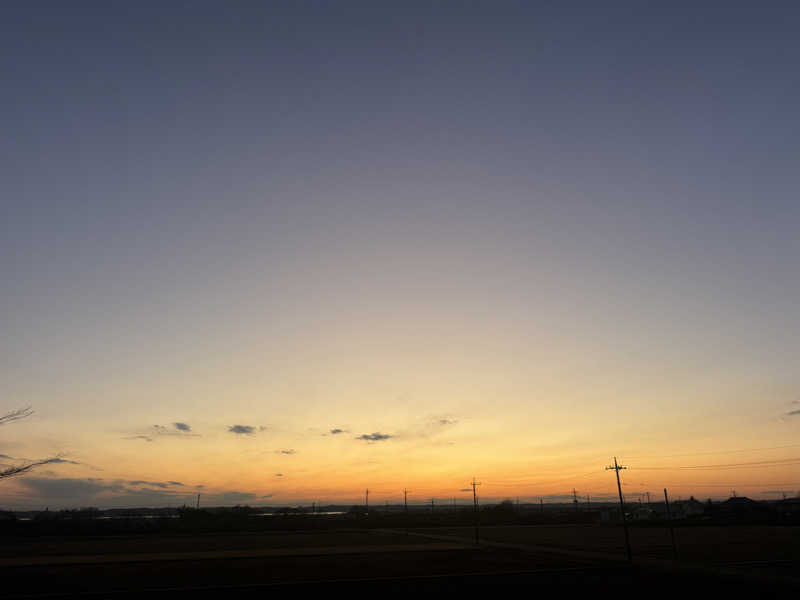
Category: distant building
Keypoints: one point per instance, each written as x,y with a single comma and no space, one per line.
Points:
788,509
741,508
686,509
644,514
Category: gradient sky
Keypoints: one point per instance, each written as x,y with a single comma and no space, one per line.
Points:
519,238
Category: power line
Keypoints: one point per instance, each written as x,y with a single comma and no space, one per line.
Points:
546,481
725,466
728,485
714,452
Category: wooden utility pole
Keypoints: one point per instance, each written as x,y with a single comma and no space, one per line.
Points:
367,501
198,502
671,528
475,485
575,499
405,506
617,468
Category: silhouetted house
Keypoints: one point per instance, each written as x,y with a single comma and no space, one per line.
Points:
687,509
644,513
788,510
741,508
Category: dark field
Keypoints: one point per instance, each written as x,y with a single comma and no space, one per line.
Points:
696,544
210,565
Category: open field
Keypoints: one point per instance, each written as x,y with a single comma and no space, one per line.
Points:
20,548
699,545
199,563
210,564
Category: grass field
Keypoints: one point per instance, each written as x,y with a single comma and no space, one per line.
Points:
704,545
210,565
164,544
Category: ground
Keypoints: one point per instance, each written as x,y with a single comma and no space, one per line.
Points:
579,558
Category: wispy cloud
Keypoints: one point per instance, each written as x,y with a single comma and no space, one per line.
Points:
793,413
158,484
242,429
178,429
93,492
374,437
286,451
337,431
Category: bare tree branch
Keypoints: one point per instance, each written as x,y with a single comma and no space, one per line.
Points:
24,468
16,415
20,469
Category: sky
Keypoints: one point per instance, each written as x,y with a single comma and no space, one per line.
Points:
277,253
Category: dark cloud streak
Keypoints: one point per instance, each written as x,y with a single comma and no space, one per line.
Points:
242,429
374,437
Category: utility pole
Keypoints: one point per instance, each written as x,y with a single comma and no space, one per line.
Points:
541,505
617,468
405,506
475,485
648,499
575,499
671,528
367,501
431,505
588,502
198,501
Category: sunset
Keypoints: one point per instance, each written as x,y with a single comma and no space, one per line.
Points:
274,254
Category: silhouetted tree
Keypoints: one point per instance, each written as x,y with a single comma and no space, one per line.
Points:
506,506
19,469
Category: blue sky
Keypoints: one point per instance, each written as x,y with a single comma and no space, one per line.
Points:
306,215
